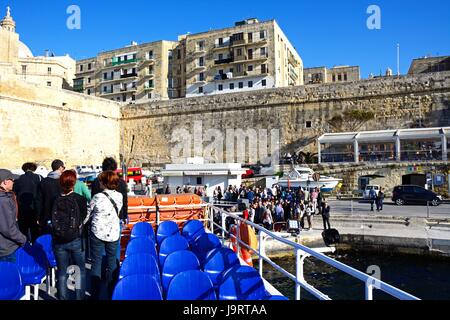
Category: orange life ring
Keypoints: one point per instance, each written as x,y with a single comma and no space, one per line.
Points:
246,254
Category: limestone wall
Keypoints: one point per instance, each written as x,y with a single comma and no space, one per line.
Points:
398,103
40,124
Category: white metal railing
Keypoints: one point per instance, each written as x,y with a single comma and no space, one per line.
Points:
301,252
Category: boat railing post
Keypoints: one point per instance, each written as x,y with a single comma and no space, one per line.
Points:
238,245
299,273
211,219
262,251
223,227
369,291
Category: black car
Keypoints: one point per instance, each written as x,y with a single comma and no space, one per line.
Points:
409,194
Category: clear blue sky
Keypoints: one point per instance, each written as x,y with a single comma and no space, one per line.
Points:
325,32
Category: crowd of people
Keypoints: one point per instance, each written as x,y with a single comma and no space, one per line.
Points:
274,206
85,224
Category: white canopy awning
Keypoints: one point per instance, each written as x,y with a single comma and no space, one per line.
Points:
338,138
384,135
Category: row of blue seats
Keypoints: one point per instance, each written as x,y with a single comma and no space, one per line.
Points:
162,266
34,264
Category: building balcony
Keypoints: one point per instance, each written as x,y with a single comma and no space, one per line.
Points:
148,75
108,92
236,43
222,46
146,62
148,87
198,68
293,74
120,63
235,75
258,42
110,80
127,89
293,61
223,61
129,75
240,58
259,57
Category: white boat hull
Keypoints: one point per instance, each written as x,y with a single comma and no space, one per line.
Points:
324,185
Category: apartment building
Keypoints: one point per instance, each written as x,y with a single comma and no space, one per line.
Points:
135,73
320,75
251,55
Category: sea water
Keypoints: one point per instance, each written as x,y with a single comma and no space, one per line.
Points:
424,277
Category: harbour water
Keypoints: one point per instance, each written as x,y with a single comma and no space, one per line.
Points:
424,277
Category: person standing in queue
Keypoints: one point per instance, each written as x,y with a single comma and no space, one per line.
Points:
49,189
103,212
68,214
26,189
109,164
11,238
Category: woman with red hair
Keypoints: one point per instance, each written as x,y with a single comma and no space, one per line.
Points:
68,213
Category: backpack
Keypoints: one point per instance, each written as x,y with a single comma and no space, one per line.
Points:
66,219
331,236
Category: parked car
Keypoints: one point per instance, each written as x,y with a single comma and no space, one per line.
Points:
409,194
366,192
249,173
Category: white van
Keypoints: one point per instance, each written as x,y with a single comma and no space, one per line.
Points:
366,192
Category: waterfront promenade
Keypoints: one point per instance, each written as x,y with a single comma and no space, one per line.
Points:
362,207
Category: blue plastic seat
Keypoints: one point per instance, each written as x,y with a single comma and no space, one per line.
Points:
241,283
171,244
191,285
11,286
32,264
203,244
140,264
218,261
45,242
166,229
143,229
137,287
177,262
140,245
192,229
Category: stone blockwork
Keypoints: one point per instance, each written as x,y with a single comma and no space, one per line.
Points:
397,103
41,124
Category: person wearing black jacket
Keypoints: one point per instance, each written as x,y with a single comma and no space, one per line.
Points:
26,189
11,238
49,189
110,164
326,216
